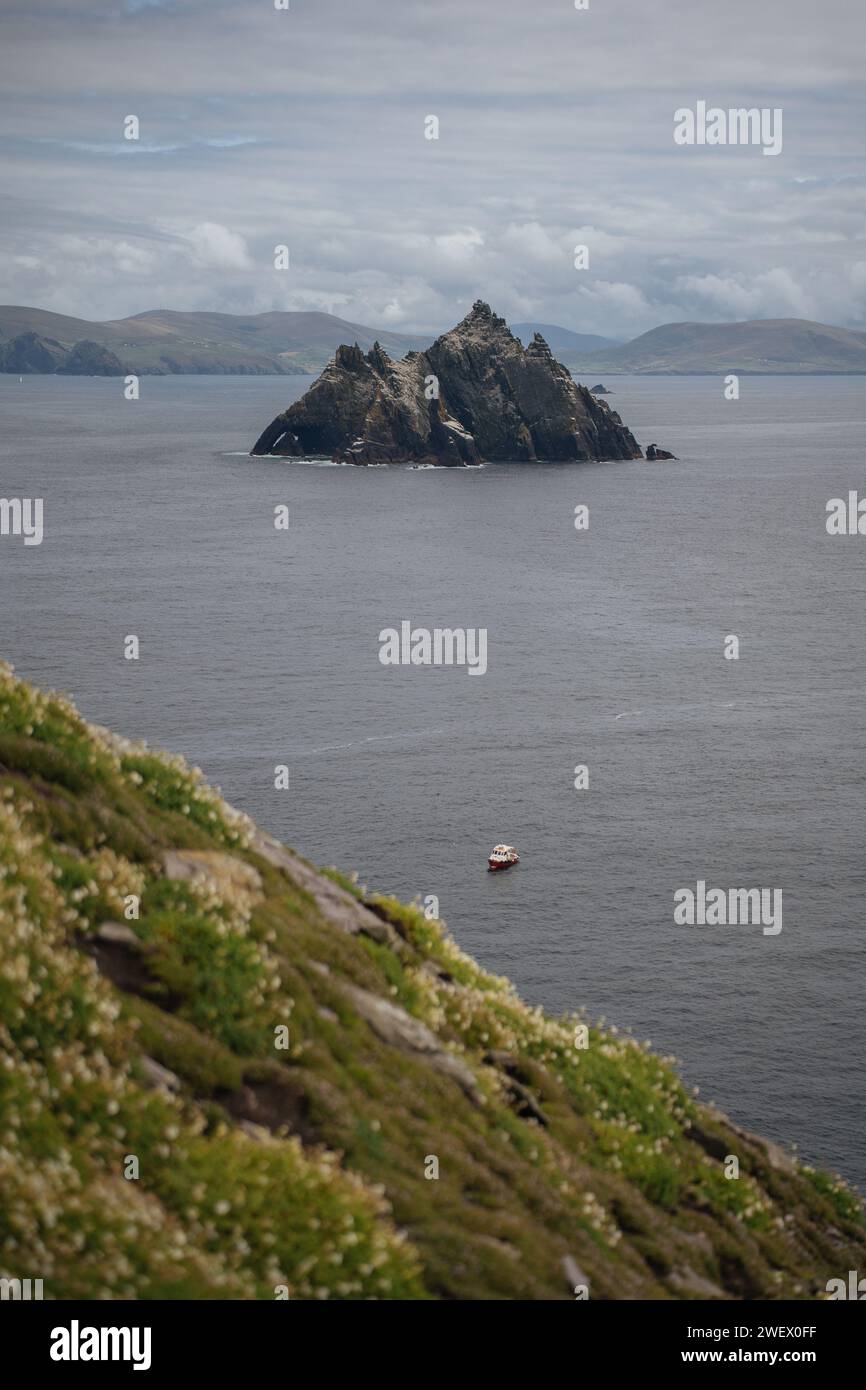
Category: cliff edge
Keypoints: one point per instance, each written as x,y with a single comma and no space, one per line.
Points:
227,1074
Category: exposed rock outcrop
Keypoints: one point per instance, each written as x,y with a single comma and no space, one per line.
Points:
222,872
35,354
339,907
476,394
91,359
31,353
654,453
158,1077
394,1026
599,390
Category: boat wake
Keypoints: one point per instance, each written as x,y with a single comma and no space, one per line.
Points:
675,709
374,738
766,703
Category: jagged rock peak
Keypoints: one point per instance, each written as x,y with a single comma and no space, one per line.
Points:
538,347
378,357
481,319
482,310
353,359
475,394
350,359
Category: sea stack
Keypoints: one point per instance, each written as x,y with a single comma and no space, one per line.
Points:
476,395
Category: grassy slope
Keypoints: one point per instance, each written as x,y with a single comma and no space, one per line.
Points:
262,1167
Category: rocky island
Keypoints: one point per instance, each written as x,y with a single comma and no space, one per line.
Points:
475,395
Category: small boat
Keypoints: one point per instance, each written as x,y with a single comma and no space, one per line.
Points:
502,857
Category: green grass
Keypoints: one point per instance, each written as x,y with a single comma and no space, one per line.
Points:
304,1168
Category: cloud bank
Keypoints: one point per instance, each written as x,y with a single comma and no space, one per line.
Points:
261,127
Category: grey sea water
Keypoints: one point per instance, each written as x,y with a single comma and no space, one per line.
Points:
605,648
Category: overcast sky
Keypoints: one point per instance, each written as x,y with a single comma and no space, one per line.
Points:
306,127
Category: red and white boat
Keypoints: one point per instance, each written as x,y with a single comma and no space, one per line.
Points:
502,857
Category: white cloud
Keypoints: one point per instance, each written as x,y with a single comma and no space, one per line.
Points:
532,243
217,246
556,131
772,294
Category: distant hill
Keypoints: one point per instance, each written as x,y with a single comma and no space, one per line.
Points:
163,341
31,352
91,359
35,354
562,341
768,346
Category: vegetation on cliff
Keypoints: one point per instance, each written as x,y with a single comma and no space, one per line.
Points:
224,1073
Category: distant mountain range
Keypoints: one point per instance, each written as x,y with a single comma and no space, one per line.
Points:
562,341
163,341
765,346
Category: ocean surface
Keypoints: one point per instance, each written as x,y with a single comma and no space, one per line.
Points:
605,648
